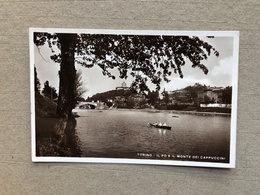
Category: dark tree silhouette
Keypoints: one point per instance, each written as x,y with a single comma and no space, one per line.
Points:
49,92
145,58
153,97
166,98
207,99
227,95
37,84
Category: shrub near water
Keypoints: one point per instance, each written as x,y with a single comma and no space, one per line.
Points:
46,137
44,107
54,136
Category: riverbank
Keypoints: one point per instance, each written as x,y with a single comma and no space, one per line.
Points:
77,112
54,136
202,113
194,112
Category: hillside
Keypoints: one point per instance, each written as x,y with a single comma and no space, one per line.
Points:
109,95
44,107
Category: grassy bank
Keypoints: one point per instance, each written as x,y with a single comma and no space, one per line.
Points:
54,136
44,107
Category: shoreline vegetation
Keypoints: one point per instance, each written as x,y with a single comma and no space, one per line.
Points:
201,112
57,137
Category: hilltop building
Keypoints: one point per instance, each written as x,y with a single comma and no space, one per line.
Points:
212,94
194,95
123,87
129,99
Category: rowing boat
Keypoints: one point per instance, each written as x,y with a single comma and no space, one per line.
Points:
160,126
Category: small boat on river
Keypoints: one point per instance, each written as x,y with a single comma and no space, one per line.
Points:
160,126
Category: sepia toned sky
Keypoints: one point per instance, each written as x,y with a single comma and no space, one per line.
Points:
220,70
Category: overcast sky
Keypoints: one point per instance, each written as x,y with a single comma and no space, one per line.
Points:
220,70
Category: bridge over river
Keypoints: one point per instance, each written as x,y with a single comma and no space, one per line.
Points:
93,105
87,105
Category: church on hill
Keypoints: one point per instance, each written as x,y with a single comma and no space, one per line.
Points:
123,87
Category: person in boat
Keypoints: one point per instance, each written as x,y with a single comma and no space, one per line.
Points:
164,124
155,123
160,124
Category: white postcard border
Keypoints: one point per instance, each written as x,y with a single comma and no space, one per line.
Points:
231,164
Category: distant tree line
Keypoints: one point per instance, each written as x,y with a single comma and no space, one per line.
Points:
50,92
188,96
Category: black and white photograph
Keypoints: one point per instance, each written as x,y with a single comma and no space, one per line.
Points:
134,96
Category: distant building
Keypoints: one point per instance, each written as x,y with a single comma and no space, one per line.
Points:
137,97
202,95
123,87
212,94
129,99
179,96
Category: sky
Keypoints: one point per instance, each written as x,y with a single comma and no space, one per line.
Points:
220,70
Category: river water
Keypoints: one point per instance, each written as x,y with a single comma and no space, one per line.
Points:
127,134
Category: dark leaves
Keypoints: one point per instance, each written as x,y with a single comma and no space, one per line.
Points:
56,58
154,57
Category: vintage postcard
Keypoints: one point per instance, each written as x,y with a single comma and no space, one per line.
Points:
134,96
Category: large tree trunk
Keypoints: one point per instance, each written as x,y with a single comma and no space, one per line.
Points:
67,75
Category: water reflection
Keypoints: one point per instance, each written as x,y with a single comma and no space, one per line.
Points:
162,132
72,139
127,133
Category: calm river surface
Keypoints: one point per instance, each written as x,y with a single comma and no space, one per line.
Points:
126,134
